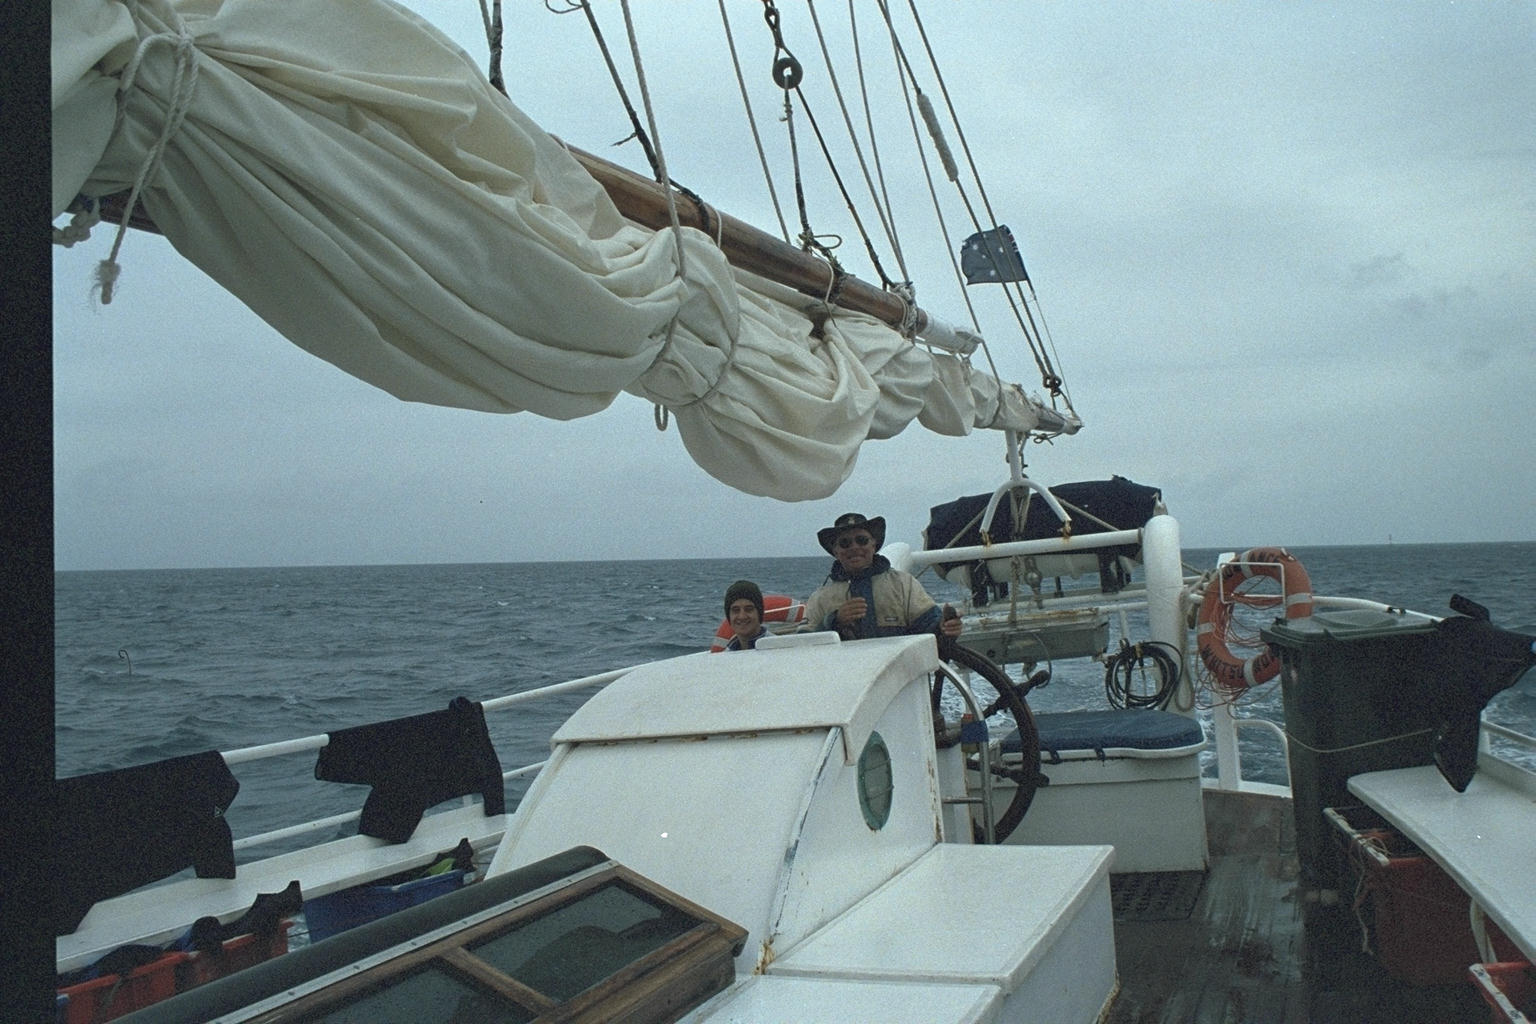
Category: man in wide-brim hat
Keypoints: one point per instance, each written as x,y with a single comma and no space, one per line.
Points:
864,595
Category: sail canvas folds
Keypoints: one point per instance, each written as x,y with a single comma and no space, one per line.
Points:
347,172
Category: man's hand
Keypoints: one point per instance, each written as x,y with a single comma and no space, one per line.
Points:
950,624
851,611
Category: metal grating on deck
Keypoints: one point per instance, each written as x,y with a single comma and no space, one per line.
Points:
1155,895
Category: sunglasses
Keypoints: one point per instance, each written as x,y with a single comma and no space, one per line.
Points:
861,540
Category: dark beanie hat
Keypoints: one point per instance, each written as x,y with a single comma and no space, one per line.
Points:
743,589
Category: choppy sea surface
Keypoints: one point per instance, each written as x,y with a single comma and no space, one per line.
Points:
159,663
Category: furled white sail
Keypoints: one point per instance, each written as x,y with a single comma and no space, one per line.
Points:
347,172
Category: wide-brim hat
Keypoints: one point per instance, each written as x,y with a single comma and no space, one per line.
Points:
851,521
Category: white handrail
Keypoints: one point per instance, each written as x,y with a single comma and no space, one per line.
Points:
1504,731
281,748
1007,549
262,751
346,818
585,682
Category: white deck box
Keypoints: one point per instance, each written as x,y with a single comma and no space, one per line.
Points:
1129,779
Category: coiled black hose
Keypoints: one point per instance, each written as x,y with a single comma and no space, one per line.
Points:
1128,667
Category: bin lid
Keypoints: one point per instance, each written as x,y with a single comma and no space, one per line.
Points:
1345,625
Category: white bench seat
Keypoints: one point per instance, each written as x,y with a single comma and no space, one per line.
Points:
1485,838
158,914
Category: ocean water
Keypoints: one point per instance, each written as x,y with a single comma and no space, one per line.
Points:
159,663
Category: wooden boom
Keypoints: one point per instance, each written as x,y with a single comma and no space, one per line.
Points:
643,201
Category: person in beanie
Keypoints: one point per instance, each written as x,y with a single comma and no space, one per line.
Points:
744,611
864,596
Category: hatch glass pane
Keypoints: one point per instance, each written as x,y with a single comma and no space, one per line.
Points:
576,945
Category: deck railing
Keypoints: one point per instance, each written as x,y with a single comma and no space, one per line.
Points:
309,744
1224,723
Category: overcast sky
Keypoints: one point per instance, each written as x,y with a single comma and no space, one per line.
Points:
1286,252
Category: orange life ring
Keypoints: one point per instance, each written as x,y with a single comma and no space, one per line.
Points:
1232,672
776,608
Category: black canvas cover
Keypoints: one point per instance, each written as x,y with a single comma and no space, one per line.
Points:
1096,506
415,763
118,830
1474,661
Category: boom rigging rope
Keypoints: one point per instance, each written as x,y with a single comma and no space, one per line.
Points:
787,74
886,221
492,18
1033,335
938,209
874,144
757,140
618,83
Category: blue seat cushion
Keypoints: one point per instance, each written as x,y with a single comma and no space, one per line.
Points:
1141,729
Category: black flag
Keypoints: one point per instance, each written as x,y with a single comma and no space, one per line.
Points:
992,256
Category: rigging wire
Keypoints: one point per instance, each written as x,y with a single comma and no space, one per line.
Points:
853,136
874,141
787,74
650,118
907,86
618,83
938,209
809,240
757,140
659,411
1050,379
638,131
492,18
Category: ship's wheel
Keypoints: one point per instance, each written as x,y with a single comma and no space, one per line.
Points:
1008,704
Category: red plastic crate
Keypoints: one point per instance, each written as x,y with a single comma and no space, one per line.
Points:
236,954
1510,990
1420,918
115,995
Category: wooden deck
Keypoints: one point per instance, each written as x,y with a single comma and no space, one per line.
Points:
1249,952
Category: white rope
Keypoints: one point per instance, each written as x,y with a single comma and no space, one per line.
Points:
660,412
874,139
87,215
907,293
183,84
907,88
650,120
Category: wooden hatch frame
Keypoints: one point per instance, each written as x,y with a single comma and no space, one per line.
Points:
658,986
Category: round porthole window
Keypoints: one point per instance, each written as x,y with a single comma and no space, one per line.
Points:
875,782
